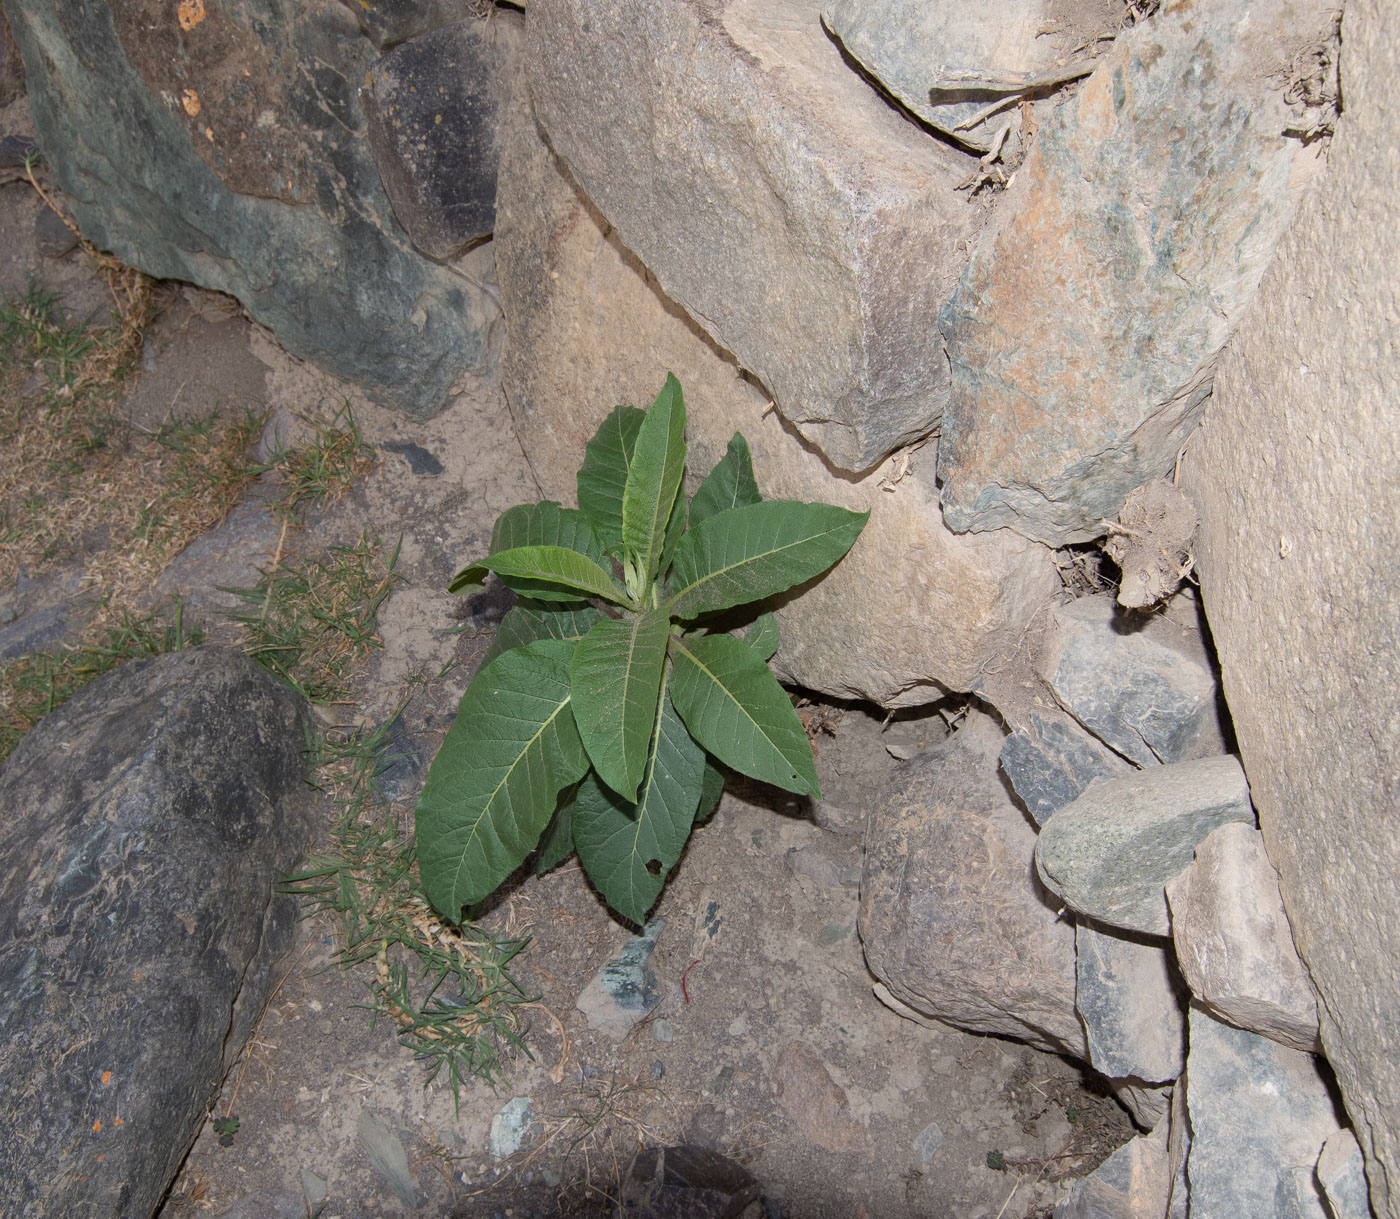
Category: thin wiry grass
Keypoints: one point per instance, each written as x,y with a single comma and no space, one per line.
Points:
322,471
309,621
33,685
448,990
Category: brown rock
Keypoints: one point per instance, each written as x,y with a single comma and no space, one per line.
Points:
1234,944
817,1101
1296,473
952,917
913,608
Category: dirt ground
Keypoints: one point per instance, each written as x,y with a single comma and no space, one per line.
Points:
768,1045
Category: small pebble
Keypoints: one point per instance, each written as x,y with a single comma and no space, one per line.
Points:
663,1030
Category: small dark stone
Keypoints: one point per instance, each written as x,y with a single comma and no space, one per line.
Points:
420,461
52,234
432,105
146,821
1052,761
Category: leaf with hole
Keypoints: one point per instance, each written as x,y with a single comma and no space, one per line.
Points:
628,848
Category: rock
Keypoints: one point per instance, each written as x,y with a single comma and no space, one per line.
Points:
809,228
1234,942
146,822
1259,1115
930,55
52,234
816,1101
1133,1183
625,989
949,608
1130,1002
1145,689
40,630
385,1150
1294,475
314,1189
1051,761
686,1183
1083,333
1148,1104
927,1143
389,22
510,1127
267,1204
11,65
951,916
1342,1174
225,145
1110,854
1151,543
432,106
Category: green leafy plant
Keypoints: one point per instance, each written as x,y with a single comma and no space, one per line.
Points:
617,688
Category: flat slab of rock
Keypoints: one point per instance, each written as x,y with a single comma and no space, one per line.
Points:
805,225
1132,1006
1082,334
1260,1114
815,1100
146,822
1234,941
951,916
912,610
1110,854
1294,474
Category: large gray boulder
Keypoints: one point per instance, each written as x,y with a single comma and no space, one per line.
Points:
952,918
1296,473
809,228
146,823
225,145
1083,333
912,610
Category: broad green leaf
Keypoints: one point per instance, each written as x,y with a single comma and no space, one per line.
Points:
551,573
761,635
616,679
711,789
654,482
558,841
603,475
495,783
529,620
735,708
628,848
545,524
749,553
469,580
730,484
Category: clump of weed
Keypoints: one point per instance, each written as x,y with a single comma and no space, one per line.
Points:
33,685
323,470
448,990
308,621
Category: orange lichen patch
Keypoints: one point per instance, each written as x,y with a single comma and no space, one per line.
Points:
106,1079
189,13
189,99
118,1122
97,1126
